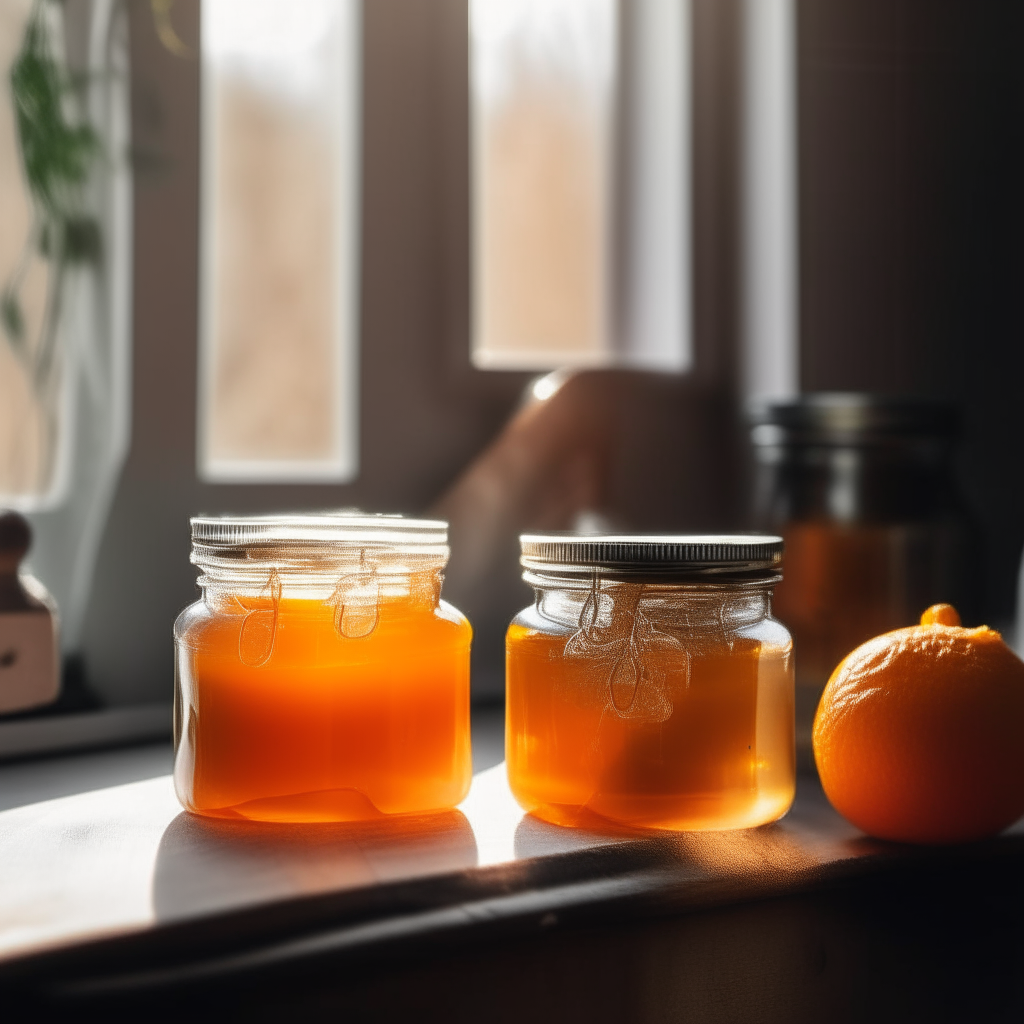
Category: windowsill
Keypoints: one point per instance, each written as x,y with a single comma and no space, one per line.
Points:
83,730
110,888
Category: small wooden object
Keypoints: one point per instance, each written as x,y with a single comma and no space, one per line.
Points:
29,657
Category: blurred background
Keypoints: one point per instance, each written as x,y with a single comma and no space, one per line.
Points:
519,263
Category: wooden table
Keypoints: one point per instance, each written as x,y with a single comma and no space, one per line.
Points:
116,900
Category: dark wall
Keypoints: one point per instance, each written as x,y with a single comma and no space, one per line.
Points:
912,227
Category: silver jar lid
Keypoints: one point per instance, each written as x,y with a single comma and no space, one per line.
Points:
317,544
328,529
668,554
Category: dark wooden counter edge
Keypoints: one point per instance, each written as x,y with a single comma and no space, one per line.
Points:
439,915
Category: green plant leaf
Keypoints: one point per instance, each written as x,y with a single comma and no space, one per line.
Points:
56,154
12,318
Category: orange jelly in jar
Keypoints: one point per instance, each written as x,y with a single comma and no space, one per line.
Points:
648,685
320,677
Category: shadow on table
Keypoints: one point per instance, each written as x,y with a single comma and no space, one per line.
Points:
205,865
538,838
810,843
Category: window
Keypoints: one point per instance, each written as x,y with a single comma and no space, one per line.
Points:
65,377
276,403
278,321
580,183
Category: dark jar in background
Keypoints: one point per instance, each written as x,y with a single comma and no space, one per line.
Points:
860,487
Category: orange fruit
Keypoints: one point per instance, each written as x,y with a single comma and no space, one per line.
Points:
919,735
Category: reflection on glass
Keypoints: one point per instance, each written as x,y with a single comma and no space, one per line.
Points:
278,319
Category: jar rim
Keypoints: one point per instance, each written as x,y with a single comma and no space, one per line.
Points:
316,543
353,529
658,555
840,418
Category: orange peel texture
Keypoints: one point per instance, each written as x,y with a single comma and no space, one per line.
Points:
919,735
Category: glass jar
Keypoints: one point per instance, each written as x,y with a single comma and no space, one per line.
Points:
648,683
860,487
320,677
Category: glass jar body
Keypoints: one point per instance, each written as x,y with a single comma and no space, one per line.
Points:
874,526
650,704
293,706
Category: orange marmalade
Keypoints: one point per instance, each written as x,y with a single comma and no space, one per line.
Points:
321,677
648,684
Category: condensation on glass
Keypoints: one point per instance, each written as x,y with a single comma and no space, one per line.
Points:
649,684
580,142
278,320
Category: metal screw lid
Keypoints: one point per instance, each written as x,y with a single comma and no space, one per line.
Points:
838,418
312,544
640,553
329,529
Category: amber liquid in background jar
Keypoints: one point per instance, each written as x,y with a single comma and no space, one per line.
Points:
860,488
339,690
650,704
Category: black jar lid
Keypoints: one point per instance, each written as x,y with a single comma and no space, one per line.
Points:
675,555
839,418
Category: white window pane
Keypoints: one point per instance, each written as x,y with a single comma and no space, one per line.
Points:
581,183
543,119
278,322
